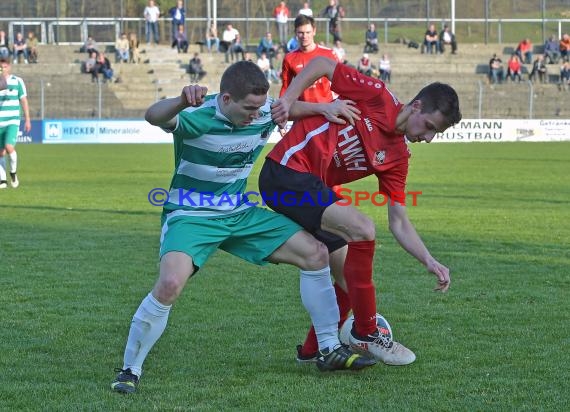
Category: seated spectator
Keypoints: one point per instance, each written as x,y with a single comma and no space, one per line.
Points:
564,46
90,46
371,39
4,45
539,70
134,54
514,68
292,44
237,48
552,50
103,66
32,44
266,46
431,40
496,71
265,65
180,40
524,51
90,66
212,38
20,48
339,52
385,69
446,37
228,38
122,48
195,69
364,65
278,63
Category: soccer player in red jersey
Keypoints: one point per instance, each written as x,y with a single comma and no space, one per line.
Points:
295,61
316,154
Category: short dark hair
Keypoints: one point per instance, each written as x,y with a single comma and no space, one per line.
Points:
440,97
302,20
4,60
243,78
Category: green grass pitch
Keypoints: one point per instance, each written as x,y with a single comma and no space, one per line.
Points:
78,251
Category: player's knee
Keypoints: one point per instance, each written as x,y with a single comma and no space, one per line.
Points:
168,288
362,228
316,257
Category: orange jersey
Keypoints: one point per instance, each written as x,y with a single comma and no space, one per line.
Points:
294,62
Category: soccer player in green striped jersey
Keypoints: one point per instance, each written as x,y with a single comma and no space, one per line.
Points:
13,100
217,138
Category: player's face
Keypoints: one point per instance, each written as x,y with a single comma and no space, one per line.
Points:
243,112
306,36
422,127
5,68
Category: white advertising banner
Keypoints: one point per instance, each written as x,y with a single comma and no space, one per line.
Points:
507,130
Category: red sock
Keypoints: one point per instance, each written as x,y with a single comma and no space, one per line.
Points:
358,275
311,345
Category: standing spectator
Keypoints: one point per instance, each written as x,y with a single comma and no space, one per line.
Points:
539,69
20,48
178,16
564,46
4,45
180,40
431,40
565,75
524,51
151,15
339,52
13,101
371,39
364,65
134,55
446,37
385,69
90,46
281,15
514,68
195,69
496,71
212,38
552,50
228,38
306,10
295,61
122,48
334,12
266,46
32,44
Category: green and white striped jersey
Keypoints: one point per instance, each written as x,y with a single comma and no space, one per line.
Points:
10,101
213,159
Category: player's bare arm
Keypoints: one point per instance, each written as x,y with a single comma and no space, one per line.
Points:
406,235
338,111
163,113
317,68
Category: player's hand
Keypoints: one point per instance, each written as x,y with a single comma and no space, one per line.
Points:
280,112
341,111
28,126
194,94
442,274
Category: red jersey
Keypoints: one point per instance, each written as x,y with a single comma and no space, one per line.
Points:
343,153
294,62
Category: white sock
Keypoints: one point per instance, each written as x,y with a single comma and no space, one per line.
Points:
2,168
318,297
13,161
147,326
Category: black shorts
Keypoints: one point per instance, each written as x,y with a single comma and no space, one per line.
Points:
302,197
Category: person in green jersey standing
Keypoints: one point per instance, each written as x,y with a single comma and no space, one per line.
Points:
217,138
13,100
